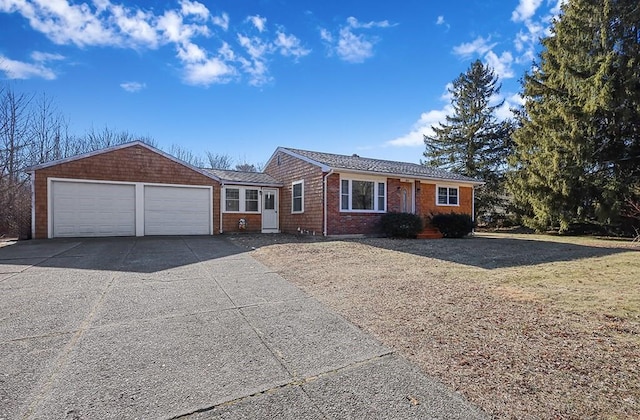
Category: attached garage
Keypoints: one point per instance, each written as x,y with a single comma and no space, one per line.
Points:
127,190
134,189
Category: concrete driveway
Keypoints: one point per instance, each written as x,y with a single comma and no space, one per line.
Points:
177,327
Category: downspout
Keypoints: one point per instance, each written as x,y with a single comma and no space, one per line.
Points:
221,204
32,174
324,182
473,203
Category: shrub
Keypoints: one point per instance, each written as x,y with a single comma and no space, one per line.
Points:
453,225
401,225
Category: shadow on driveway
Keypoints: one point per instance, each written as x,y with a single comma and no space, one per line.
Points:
187,327
143,255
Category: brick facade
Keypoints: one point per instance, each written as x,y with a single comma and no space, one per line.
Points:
426,201
347,223
230,222
129,164
288,169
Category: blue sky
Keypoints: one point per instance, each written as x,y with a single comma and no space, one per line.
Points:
244,77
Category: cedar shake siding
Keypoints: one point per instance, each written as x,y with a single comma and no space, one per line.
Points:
129,164
289,169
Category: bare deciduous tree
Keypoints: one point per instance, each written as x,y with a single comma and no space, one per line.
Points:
186,156
219,161
15,148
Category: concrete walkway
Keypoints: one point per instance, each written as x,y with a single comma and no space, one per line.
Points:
187,327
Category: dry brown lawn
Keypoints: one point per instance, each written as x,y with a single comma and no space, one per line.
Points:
523,326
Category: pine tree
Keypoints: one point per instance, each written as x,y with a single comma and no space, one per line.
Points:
472,142
576,147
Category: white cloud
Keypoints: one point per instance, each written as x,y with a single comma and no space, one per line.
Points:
211,71
354,23
221,21
429,119
501,65
326,36
421,128
256,66
106,24
194,8
352,46
258,21
43,57
555,10
289,45
191,53
176,30
440,20
133,86
136,25
64,23
479,46
20,70
526,10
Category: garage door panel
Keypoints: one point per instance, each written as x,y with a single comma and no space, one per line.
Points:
93,209
177,210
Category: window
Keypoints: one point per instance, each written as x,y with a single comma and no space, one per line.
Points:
447,196
360,195
297,197
251,200
242,200
232,199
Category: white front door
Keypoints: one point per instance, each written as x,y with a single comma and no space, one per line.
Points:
270,210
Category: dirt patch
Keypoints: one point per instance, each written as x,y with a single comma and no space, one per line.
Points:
484,314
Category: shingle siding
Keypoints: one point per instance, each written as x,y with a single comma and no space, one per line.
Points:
288,169
130,164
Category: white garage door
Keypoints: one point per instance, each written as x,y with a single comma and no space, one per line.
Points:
92,209
177,210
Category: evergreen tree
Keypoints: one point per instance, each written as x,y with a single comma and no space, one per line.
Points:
577,144
472,142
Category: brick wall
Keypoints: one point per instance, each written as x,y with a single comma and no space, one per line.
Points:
426,201
287,169
347,223
230,222
130,164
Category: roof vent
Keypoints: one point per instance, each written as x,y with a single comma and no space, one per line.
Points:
355,155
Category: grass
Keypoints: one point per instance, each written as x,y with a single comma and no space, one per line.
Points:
608,285
525,326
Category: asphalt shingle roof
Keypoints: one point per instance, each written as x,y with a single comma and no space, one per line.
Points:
357,163
240,177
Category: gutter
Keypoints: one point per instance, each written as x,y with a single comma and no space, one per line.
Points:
324,183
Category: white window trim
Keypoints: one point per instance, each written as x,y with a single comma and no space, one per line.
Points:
243,200
376,181
448,187
301,182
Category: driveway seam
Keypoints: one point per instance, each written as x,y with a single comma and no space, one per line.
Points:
258,335
64,354
295,383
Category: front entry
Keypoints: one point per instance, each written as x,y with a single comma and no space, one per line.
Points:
270,222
